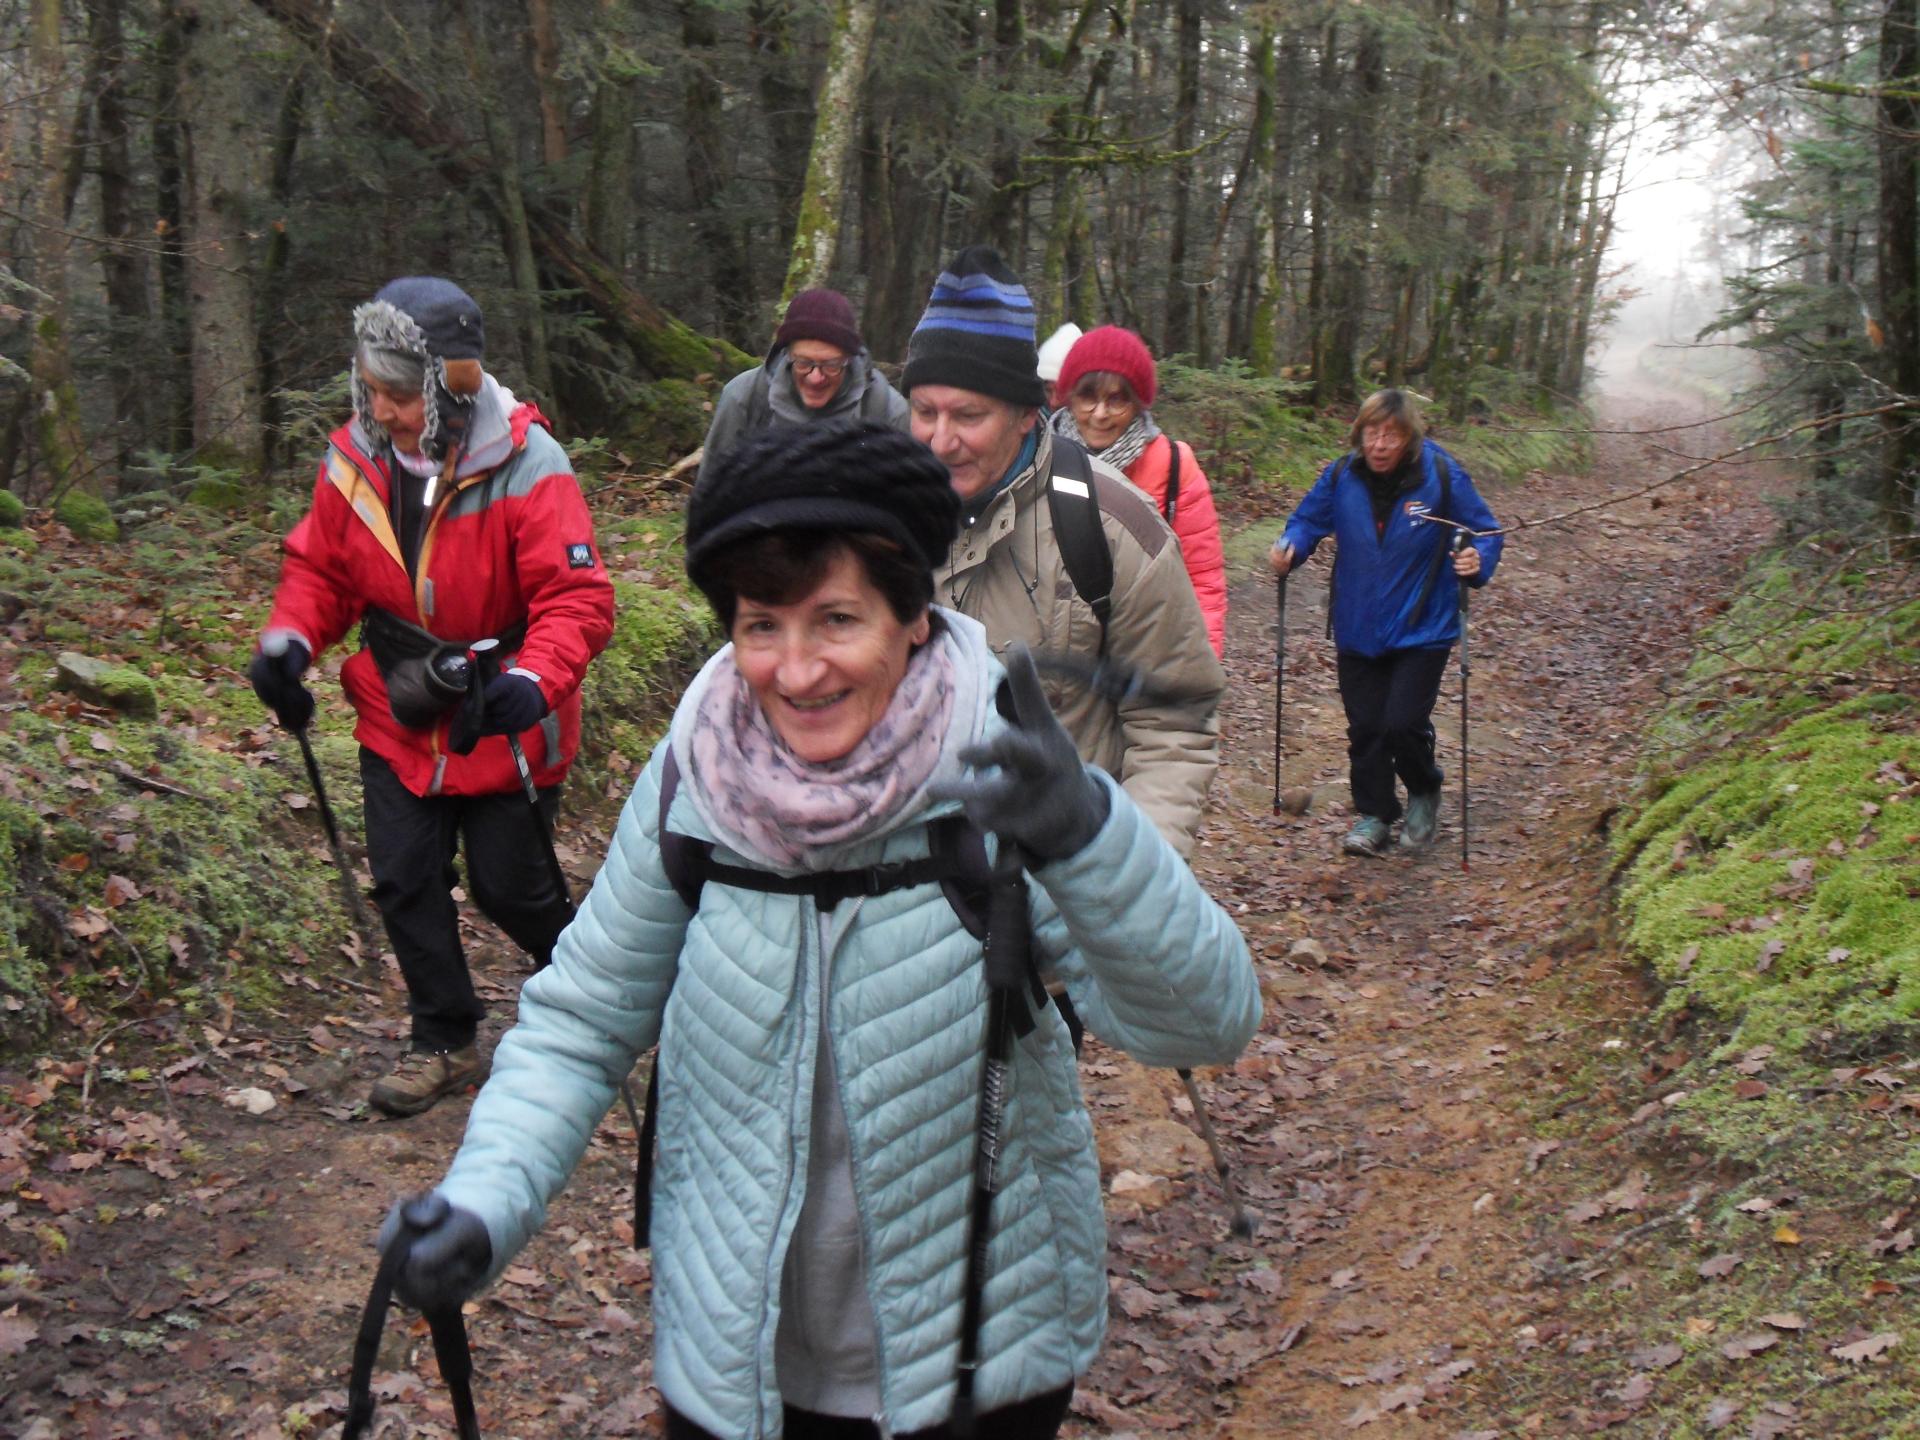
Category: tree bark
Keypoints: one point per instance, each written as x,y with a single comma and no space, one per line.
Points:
56,412
1899,123
123,270
1333,375
510,206
816,236
999,216
710,149
609,188
662,345
1177,332
786,103
546,77
222,176
175,385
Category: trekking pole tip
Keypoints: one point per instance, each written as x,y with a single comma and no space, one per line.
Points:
1243,1225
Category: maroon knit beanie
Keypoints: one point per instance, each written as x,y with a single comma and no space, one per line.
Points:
1120,351
820,315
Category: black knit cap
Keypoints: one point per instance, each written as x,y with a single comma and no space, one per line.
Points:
861,478
449,320
977,332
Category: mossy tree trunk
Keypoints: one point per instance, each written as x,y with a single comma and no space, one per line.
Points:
816,236
222,103
1177,331
609,189
711,149
56,406
1900,267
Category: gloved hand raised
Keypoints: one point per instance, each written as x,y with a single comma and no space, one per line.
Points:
509,703
1032,788
275,672
448,1252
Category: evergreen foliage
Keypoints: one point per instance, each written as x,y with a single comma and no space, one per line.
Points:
1356,193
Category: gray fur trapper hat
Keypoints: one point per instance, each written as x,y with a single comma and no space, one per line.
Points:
436,323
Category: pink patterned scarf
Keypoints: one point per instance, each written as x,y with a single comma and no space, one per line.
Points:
773,806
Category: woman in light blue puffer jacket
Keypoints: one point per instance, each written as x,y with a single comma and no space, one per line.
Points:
820,1063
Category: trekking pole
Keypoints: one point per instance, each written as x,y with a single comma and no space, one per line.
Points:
486,656
276,645
1116,681
1243,1223
1460,542
450,1346
1007,964
486,659
1279,691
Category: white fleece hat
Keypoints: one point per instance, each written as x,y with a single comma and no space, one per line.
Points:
1053,354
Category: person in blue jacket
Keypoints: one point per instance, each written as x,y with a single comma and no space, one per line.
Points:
1394,506
821,1060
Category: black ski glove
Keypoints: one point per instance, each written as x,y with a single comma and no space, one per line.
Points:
275,672
1033,787
448,1252
509,704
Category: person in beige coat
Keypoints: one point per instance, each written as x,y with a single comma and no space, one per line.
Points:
974,399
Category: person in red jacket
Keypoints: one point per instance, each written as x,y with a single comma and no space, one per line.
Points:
1106,389
444,513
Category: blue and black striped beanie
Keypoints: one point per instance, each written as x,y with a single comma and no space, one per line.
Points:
977,332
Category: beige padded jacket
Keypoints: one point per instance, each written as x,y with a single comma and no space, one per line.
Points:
1006,572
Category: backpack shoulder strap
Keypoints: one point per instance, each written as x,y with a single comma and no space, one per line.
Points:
686,859
1170,506
1075,507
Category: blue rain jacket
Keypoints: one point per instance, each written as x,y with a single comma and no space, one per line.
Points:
1377,579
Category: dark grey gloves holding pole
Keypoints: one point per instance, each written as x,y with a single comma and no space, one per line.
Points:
275,672
503,704
1033,788
433,1255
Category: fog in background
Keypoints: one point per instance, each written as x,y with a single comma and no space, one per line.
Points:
1671,249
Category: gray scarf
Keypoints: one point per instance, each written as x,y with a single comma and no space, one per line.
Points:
1126,448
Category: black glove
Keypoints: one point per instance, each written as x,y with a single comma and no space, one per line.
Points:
448,1253
1041,796
509,704
275,672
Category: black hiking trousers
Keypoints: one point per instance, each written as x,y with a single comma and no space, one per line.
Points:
410,847
1389,702
1036,1419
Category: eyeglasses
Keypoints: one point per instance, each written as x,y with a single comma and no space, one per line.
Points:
832,369
1116,401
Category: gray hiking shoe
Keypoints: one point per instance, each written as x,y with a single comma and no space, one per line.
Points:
1367,837
1423,820
423,1077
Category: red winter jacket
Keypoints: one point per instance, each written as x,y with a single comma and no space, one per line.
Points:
501,546
1196,526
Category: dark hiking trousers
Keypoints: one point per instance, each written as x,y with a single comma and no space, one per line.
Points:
1389,702
1035,1419
410,846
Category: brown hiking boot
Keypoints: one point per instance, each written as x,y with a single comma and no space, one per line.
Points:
423,1076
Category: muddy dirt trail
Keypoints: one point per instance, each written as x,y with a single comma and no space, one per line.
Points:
198,1270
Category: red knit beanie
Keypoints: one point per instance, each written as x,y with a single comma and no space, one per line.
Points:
1120,351
820,315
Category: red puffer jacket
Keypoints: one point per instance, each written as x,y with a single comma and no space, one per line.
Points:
502,546
1196,525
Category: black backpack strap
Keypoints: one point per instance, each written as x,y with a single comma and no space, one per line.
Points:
1441,550
1077,530
1170,506
687,860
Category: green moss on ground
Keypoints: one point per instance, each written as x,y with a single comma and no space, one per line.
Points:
1770,885
87,516
13,512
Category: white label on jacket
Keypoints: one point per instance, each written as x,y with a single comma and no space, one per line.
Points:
1417,511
